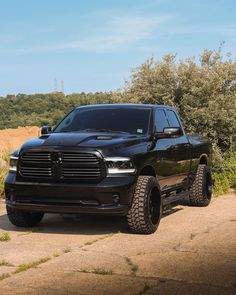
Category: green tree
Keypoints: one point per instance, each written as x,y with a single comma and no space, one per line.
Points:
204,92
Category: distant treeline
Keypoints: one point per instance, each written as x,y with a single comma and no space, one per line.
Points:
203,92
40,109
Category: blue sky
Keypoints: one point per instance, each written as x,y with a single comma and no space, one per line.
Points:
93,45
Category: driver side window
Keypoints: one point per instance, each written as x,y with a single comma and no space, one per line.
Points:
160,120
67,121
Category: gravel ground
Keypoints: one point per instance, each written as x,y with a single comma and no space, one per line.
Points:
193,252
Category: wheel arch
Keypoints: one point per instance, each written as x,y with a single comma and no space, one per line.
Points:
148,170
203,159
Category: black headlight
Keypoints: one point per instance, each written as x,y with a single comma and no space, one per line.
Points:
117,165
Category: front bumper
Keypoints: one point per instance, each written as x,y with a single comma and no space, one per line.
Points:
111,196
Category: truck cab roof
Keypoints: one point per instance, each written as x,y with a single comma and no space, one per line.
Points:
127,105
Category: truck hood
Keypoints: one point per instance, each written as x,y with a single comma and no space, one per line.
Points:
105,142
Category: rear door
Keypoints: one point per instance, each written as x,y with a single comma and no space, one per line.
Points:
181,149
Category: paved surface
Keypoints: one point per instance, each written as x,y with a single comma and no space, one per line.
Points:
193,252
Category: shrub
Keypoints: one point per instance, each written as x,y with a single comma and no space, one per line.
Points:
4,160
224,173
5,237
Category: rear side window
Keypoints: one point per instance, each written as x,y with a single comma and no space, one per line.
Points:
172,118
160,120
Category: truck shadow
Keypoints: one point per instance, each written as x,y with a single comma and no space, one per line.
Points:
169,210
58,224
78,224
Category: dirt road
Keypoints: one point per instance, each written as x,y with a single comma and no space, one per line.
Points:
193,252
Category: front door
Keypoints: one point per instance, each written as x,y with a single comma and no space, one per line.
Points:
164,154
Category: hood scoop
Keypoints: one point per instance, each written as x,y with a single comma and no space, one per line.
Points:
103,137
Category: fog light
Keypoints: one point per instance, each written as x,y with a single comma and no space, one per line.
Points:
116,198
13,163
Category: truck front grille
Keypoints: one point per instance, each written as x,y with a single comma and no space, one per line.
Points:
36,172
81,172
61,166
36,157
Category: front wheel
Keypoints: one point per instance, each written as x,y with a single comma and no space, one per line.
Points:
146,210
202,187
24,218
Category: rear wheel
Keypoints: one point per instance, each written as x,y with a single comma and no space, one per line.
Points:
202,187
145,213
24,218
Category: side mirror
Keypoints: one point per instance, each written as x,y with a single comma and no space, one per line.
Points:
46,130
172,131
169,132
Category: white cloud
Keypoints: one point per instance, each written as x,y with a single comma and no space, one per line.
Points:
117,32
109,31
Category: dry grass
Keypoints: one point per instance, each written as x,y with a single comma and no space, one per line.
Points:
98,271
5,237
3,262
101,271
98,239
56,254
4,276
4,158
133,267
67,250
33,264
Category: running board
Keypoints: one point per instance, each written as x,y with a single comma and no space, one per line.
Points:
176,197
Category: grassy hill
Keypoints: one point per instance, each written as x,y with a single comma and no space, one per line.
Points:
40,109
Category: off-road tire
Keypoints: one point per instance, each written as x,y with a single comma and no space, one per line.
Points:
201,190
24,218
146,197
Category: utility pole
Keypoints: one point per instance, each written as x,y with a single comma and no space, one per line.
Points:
62,86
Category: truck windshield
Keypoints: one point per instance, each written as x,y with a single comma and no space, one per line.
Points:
118,120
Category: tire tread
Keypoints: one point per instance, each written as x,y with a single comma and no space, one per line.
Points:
24,218
136,216
198,197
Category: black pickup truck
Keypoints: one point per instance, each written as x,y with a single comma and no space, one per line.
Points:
119,159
